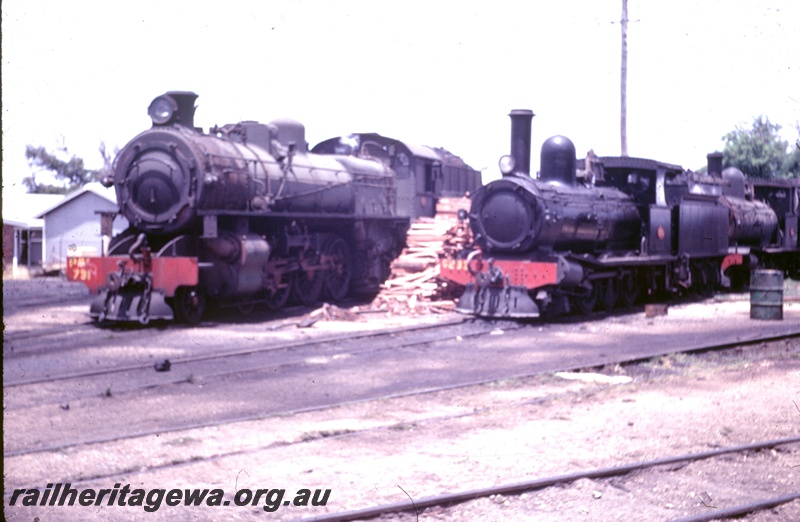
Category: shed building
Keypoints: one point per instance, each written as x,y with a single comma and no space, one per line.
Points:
73,225
22,231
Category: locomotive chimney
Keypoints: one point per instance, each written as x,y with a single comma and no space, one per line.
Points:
174,107
715,164
521,139
185,101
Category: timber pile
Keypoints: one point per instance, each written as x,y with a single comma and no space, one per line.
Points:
328,312
414,282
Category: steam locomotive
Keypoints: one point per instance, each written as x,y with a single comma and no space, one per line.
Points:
242,215
600,237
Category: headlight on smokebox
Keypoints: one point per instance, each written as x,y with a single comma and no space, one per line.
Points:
507,165
162,110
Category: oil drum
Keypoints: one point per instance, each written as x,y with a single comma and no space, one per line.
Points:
766,294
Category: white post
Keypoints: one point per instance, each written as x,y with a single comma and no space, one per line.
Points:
623,120
15,260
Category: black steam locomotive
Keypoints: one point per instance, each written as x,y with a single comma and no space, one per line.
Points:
241,215
576,239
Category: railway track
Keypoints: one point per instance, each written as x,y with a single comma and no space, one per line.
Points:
143,380
30,294
182,463
139,382
118,476
67,337
231,364
141,375
448,499
441,503
285,346
326,346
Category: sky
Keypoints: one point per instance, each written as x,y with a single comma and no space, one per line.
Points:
440,73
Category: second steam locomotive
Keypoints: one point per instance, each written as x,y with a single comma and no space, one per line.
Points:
576,239
244,214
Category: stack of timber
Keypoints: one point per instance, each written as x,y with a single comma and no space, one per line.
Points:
415,272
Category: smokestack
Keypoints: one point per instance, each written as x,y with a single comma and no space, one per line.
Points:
521,139
185,101
173,107
715,164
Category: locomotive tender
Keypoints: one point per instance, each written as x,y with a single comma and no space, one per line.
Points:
423,174
574,240
243,214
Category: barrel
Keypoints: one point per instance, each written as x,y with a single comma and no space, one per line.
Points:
766,294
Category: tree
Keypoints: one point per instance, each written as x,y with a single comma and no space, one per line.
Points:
759,152
71,173
791,164
107,170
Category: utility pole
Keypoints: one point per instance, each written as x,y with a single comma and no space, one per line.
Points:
623,117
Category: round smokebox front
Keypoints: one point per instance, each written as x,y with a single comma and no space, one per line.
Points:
504,217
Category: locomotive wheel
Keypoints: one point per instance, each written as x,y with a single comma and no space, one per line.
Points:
308,285
739,278
628,290
712,274
701,280
557,306
338,270
190,303
277,298
608,294
585,304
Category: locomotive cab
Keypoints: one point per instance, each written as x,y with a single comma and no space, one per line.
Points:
648,182
639,184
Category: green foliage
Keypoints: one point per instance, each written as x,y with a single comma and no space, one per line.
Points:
791,164
72,173
759,152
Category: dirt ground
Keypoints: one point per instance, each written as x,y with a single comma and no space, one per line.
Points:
386,451
377,452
